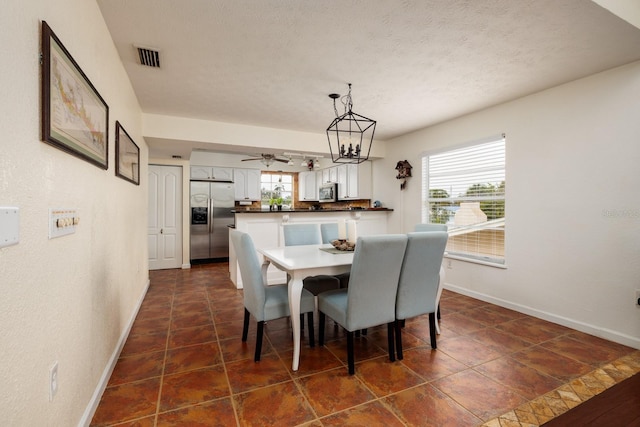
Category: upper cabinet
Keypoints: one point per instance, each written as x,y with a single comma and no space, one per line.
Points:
308,186
247,184
212,173
354,181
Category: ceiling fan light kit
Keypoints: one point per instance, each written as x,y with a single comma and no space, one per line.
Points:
350,135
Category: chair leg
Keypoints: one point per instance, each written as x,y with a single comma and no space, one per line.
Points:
398,325
256,358
321,319
438,311
432,330
350,356
245,325
392,351
302,321
312,340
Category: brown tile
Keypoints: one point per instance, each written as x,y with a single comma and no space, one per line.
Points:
530,330
228,330
190,336
478,394
431,364
312,360
145,326
371,415
189,388
525,380
201,306
551,363
467,350
418,329
499,340
246,374
491,316
218,413
184,295
593,354
277,405
186,320
462,324
192,357
345,391
235,314
149,343
618,349
141,422
127,402
362,347
384,377
137,367
426,406
234,349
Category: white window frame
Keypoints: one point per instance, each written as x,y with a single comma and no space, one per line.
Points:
477,238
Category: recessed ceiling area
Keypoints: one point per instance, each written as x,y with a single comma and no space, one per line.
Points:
412,63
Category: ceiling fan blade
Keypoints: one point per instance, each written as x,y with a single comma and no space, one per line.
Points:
255,158
282,160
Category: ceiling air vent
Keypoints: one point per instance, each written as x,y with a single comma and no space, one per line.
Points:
148,57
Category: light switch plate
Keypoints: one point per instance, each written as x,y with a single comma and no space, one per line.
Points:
9,226
62,222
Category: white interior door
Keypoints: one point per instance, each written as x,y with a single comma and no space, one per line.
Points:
165,217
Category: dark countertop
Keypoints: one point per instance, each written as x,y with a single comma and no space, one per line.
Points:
241,211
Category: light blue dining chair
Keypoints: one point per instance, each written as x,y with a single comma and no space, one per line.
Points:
309,234
264,302
370,299
419,281
435,227
431,227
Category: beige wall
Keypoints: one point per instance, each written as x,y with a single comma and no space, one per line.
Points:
573,202
68,299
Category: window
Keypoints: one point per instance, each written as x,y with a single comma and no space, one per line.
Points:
465,189
276,188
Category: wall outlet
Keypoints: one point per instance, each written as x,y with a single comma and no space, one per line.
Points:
449,265
53,381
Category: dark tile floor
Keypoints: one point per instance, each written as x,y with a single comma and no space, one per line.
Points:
184,365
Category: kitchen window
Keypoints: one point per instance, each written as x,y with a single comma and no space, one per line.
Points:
465,189
276,189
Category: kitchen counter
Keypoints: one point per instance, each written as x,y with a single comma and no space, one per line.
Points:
253,211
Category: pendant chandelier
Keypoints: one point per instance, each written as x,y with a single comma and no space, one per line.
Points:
350,135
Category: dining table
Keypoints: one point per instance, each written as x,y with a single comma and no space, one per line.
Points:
300,262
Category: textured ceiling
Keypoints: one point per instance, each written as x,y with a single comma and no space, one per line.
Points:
412,63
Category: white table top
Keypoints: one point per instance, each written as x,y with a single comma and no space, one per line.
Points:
306,257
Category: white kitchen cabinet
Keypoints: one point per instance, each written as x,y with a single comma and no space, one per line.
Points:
212,173
247,184
354,181
307,187
330,174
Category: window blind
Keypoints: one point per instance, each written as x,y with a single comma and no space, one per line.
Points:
465,189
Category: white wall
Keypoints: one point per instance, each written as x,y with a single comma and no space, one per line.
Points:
573,202
68,299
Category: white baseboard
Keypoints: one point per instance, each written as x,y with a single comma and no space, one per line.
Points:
604,333
186,266
111,364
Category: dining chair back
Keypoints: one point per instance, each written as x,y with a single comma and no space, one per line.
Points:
329,231
435,227
301,234
431,227
370,299
263,302
419,280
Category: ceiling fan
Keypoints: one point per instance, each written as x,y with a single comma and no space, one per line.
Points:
267,159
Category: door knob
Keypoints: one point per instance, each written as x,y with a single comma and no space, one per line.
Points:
161,231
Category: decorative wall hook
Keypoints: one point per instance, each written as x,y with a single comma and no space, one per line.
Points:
404,171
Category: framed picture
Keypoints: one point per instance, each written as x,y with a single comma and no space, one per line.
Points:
127,156
75,118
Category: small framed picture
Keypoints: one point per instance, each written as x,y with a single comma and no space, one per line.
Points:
127,156
75,118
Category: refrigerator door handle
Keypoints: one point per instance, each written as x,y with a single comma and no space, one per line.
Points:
210,215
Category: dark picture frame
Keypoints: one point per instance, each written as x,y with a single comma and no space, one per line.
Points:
75,118
127,156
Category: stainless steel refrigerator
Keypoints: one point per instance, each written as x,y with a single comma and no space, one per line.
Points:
211,205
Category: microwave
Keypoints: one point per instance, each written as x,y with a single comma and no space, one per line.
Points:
328,193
